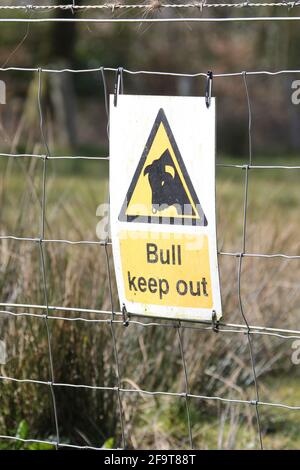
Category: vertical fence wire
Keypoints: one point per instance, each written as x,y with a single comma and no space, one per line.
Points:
42,255
106,98
115,348
244,235
186,382
108,268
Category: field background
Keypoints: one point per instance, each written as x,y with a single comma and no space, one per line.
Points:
75,123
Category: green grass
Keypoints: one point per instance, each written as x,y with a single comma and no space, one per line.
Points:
218,427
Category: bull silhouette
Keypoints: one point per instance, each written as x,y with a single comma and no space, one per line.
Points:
166,186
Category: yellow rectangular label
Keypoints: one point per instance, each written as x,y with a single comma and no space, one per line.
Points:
170,269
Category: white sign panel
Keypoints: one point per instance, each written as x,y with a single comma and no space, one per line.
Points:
162,206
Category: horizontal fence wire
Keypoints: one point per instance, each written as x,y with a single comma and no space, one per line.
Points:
151,5
153,20
151,11
113,318
149,72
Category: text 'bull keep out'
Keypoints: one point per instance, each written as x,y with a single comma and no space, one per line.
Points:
161,286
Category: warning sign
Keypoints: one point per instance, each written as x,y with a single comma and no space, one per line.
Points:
162,196
161,188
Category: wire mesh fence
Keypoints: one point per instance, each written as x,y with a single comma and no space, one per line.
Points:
112,318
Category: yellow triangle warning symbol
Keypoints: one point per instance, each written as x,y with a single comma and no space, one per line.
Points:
161,190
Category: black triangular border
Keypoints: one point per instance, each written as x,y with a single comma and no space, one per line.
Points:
161,118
